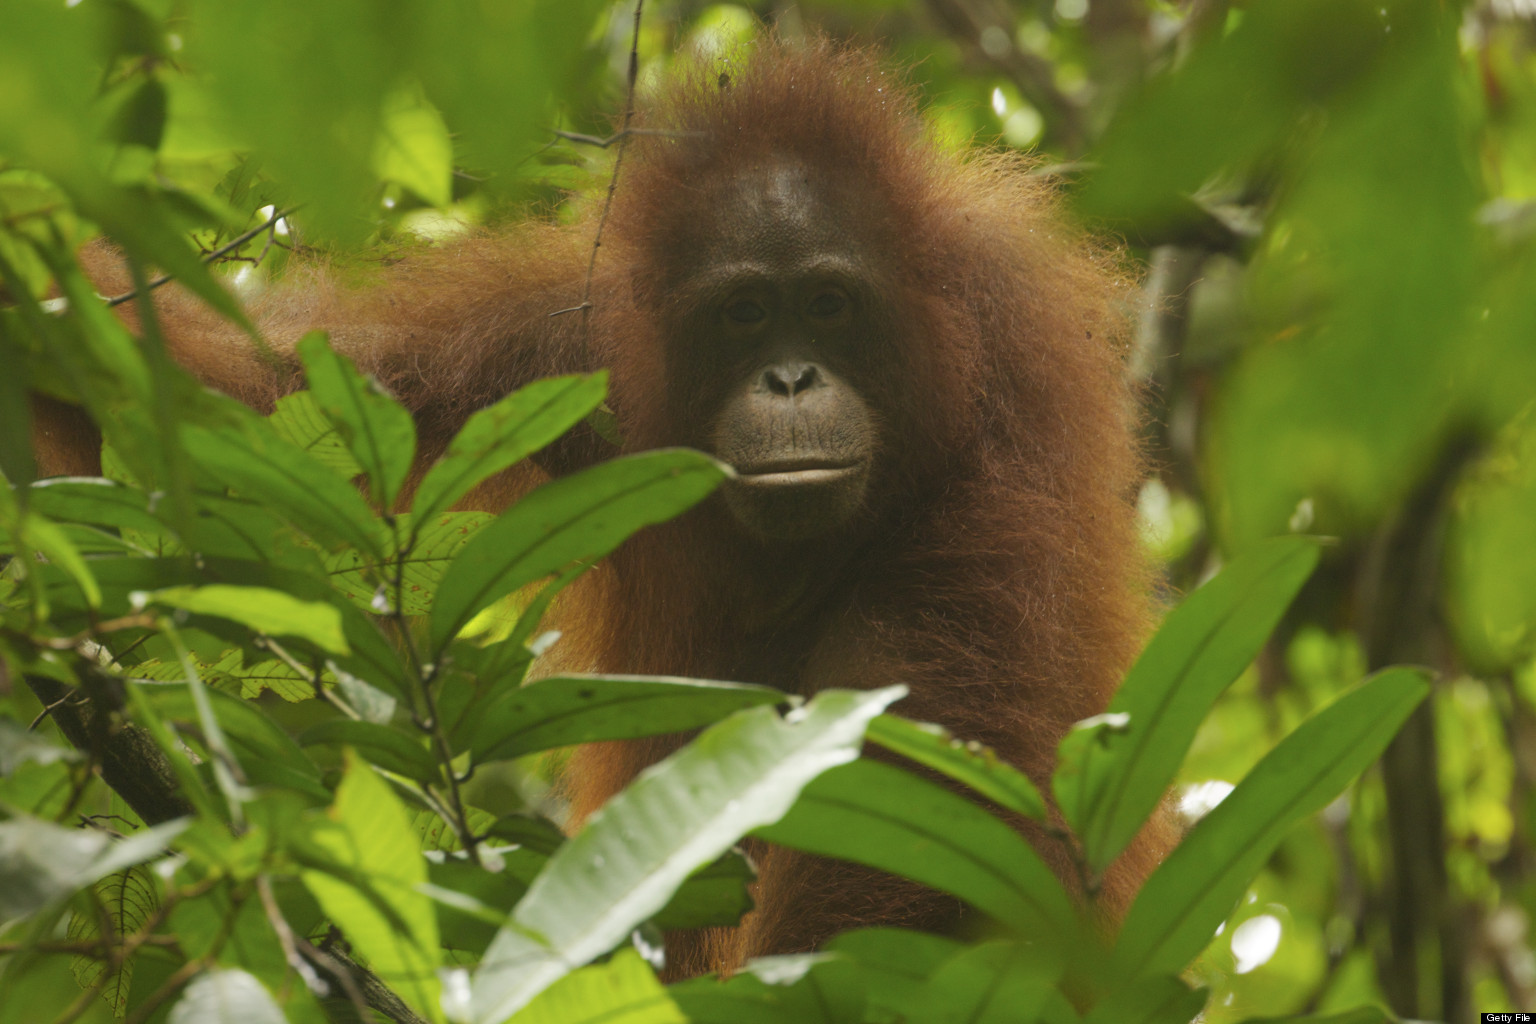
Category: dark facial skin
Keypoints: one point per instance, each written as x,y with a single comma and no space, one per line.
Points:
782,331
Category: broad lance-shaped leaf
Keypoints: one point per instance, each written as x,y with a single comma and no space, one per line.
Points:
622,991
507,432
432,547
377,429
879,815
297,418
368,832
578,518
1107,788
1153,999
383,745
1195,889
795,988
94,500
566,710
261,608
681,813
989,983
263,467
896,962
40,862
974,765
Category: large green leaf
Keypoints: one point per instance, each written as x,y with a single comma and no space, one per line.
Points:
814,988
93,500
578,518
636,851
507,432
378,431
432,547
261,609
367,832
564,710
622,991
41,863
383,745
1109,784
298,419
1155,999
1203,878
972,764
262,467
874,814
991,983
895,962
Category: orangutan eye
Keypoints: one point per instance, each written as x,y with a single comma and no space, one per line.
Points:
828,304
745,311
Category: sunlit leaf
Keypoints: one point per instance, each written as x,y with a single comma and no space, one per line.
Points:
367,830
622,991
262,609
636,851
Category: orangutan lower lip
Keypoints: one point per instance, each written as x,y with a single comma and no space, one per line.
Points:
799,473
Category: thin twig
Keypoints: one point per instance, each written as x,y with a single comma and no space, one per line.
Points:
622,136
223,250
619,136
286,939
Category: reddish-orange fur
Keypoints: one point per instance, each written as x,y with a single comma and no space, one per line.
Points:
1006,590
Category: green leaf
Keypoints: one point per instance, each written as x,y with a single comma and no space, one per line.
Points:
368,831
358,575
564,710
414,148
378,431
265,751
299,420
1359,1015
41,863
507,432
622,991
969,763
991,983
683,812
805,988
262,467
95,500
874,814
47,539
1107,790
1203,878
578,518
226,996
383,745
895,962
1158,999
262,609
127,899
